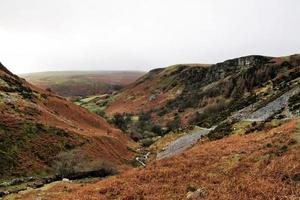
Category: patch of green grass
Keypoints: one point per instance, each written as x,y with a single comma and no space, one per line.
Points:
239,127
93,108
230,161
88,99
263,158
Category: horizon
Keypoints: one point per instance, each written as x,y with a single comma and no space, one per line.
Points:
140,35
139,71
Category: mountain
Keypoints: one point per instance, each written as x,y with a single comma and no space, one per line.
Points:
206,95
37,126
229,130
82,83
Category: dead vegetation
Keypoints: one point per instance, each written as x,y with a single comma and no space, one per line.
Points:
261,165
72,165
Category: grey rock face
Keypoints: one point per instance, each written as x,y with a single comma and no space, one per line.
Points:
273,107
182,143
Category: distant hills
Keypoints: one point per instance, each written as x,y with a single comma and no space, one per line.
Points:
82,83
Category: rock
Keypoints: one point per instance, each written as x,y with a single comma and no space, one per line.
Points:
17,181
152,97
179,145
4,184
65,180
198,194
36,184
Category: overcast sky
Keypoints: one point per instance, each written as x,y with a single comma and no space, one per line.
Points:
47,35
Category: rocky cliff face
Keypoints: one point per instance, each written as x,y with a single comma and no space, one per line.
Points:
193,91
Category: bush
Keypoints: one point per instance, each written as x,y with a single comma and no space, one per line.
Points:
164,111
65,163
121,121
135,135
221,131
175,124
43,95
146,142
156,129
101,113
70,165
144,116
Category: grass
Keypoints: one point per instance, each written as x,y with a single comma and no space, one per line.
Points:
90,104
26,142
236,167
239,128
230,161
298,130
88,99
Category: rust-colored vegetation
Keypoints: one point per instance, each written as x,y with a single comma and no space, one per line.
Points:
261,165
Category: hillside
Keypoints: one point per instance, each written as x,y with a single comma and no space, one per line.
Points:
259,165
37,126
82,83
223,131
205,95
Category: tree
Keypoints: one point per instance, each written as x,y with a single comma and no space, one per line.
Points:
175,124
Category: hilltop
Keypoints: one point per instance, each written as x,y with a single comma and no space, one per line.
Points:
82,83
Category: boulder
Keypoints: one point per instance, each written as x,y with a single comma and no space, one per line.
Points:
198,194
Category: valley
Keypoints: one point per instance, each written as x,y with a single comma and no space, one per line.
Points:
190,131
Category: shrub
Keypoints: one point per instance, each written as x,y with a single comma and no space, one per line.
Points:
146,142
65,163
70,165
191,188
156,129
221,131
164,111
43,95
175,124
135,135
101,113
144,116
121,121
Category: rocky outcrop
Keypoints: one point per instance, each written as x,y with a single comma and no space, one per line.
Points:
273,107
183,143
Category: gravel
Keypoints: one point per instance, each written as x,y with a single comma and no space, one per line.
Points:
182,143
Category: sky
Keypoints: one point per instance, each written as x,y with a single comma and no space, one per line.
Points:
54,35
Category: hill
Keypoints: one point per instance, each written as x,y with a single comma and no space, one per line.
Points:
224,131
259,165
37,127
205,95
82,83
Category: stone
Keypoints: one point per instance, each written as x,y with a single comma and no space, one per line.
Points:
198,194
